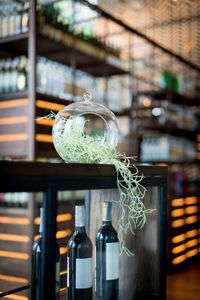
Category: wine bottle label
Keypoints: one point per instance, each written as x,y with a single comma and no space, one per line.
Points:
79,216
57,289
67,271
83,273
112,261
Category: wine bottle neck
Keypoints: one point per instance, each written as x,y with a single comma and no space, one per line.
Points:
80,229
79,216
106,211
107,223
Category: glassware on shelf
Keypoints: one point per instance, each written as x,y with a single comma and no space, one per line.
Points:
167,148
86,120
14,18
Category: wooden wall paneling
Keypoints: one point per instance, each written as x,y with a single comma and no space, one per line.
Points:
13,128
11,109
14,149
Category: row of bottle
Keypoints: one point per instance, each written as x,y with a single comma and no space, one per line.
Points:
13,74
61,81
167,148
180,83
170,113
21,199
14,18
79,260
178,115
61,19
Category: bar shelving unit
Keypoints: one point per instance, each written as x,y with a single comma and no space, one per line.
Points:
183,193
49,178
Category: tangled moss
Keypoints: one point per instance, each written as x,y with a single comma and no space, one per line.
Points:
74,146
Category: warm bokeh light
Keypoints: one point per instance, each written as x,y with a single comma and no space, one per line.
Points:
63,272
179,238
13,103
177,212
192,243
14,279
14,120
191,210
47,138
179,259
191,200
14,237
63,289
177,202
13,220
191,233
13,137
46,122
63,250
147,102
59,218
179,249
15,297
190,220
192,252
49,105
59,235
17,255
63,233
178,223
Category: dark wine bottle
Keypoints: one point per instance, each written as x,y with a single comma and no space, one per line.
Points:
107,258
36,266
79,260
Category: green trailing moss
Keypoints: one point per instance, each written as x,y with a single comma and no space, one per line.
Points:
74,146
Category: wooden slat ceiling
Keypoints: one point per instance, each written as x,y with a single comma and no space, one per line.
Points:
174,24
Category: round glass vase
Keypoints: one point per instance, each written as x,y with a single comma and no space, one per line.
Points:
82,126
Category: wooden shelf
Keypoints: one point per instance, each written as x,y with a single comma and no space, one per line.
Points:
51,98
15,45
169,163
14,38
62,174
168,129
170,95
85,61
14,95
89,58
14,210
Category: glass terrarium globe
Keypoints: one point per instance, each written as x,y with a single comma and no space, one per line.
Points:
85,121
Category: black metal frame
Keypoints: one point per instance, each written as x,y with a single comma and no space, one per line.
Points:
50,185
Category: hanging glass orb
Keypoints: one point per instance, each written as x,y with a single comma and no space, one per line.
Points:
84,122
